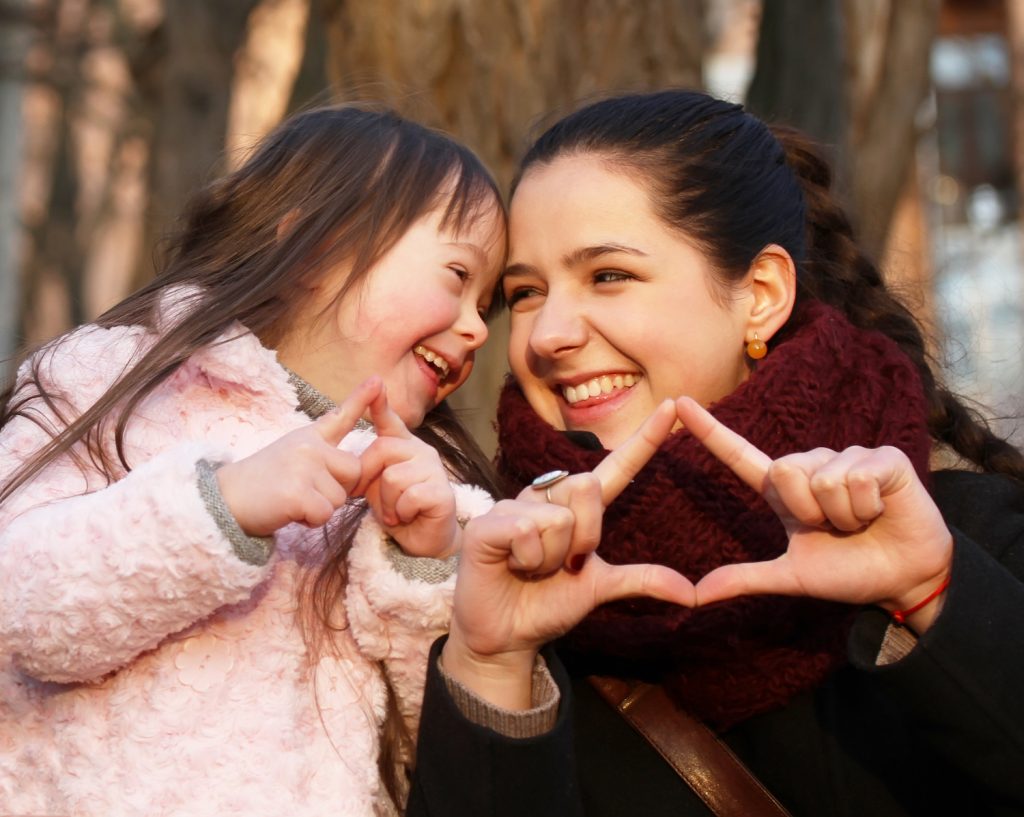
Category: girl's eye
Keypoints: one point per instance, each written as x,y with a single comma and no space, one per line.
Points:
611,276
462,273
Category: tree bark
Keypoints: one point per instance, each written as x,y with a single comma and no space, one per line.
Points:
799,75
184,76
883,115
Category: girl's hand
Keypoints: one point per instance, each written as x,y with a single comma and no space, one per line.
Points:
407,486
514,593
862,528
302,477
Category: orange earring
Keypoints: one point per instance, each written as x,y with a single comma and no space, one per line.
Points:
757,348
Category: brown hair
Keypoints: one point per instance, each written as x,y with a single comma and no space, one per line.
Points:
734,185
348,182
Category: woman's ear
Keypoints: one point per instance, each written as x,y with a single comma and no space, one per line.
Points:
772,280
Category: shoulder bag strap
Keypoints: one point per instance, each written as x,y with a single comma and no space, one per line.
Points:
705,763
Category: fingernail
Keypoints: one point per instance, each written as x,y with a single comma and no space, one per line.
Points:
576,562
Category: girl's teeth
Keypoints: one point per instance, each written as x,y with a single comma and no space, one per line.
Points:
605,384
438,361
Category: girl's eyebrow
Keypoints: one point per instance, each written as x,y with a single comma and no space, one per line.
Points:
473,249
576,257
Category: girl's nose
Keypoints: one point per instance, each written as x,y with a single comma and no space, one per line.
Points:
472,327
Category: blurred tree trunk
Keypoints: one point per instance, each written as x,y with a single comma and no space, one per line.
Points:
183,73
865,114
312,85
485,71
886,86
15,39
57,256
1015,41
797,84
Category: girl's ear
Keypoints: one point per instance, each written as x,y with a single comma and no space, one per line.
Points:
773,285
285,225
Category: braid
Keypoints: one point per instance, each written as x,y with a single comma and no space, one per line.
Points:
836,272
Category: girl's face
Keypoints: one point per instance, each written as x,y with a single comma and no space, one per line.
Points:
415,319
611,310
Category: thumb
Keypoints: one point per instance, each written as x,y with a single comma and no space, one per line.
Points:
334,425
616,582
747,579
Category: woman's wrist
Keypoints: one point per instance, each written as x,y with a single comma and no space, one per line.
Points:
504,680
919,606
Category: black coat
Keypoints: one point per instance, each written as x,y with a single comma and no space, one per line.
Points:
940,732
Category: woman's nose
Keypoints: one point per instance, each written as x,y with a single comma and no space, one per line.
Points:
558,329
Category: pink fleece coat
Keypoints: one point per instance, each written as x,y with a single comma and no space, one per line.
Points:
144,668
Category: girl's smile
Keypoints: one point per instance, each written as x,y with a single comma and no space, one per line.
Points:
416,320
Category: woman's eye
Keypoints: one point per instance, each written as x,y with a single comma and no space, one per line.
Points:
519,294
611,276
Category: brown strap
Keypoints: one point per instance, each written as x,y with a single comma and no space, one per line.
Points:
708,766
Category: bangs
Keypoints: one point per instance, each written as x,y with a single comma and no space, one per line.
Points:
471,193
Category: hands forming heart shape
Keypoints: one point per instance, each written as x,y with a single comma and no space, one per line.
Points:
862,529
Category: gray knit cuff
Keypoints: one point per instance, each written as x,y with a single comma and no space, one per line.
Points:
896,644
527,723
420,568
253,550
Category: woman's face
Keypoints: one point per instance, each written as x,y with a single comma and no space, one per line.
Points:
611,310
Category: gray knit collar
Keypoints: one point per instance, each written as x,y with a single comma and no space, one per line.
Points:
314,403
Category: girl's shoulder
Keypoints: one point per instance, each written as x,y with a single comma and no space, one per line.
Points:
84,362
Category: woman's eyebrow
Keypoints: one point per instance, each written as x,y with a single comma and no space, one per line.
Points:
576,257
590,253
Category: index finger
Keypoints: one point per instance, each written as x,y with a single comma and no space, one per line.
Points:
386,421
745,459
334,425
617,470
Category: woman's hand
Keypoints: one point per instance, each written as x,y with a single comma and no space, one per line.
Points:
303,476
862,528
514,592
407,486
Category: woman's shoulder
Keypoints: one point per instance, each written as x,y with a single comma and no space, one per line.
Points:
954,488
988,508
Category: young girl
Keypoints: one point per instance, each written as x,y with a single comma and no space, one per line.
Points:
195,617
856,638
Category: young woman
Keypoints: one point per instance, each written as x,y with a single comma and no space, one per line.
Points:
195,616
854,648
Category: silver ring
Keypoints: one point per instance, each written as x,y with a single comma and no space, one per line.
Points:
545,481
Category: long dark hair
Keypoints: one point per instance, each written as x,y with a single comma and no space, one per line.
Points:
331,184
734,185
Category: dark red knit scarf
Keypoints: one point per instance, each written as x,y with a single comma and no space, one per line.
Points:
825,384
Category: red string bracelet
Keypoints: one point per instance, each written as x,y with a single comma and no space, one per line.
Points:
900,616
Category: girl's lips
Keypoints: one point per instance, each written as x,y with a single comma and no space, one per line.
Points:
432,375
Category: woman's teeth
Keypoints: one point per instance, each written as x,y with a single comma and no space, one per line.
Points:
436,361
605,384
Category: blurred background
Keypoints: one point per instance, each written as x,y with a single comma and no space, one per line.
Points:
112,111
